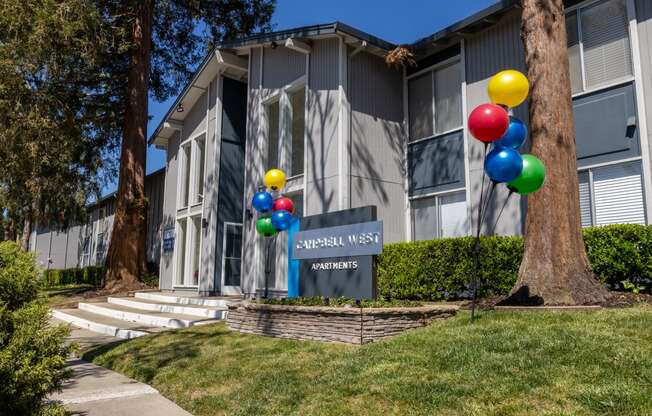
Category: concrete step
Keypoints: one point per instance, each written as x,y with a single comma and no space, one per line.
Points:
103,324
214,312
150,318
209,301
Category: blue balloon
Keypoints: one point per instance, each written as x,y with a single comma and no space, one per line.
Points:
515,135
281,220
262,201
503,164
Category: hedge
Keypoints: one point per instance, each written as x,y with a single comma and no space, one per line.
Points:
441,269
91,275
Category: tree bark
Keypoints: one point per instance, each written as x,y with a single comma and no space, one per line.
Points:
27,231
126,256
555,268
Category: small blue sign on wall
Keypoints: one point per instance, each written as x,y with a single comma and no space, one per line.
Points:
168,240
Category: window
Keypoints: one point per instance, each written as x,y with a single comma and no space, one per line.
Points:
298,102
199,170
612,194
440,216
272,135
100,249
196,249
181,251
189,250
435,102
232,254
186,152
193,157
86,251
598,44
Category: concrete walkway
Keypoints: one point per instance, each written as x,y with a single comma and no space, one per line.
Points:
96,391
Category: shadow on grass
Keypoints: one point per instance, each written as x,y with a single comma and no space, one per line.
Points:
93,352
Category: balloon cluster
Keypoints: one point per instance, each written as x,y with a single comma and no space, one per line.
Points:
491,123
276,213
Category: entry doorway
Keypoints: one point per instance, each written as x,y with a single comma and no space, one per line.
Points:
232,259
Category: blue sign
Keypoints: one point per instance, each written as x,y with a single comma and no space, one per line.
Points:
168,240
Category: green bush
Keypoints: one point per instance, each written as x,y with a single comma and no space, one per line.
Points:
442,269
339,302
621,253
91,275
32,352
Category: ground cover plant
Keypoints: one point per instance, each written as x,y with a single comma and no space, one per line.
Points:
506,363
340,302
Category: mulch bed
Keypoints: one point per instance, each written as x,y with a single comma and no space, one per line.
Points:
618,300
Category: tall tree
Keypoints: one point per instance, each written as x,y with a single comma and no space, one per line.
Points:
57,109
555,268
169,37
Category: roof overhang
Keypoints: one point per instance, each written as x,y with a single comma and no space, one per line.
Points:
217,62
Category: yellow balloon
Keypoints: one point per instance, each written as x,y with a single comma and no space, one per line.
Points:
274,179
508,88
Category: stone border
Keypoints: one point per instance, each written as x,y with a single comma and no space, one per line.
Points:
548,308
349,325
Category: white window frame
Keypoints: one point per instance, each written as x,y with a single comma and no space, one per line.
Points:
186,273
437,197
193,165
612,83
230,290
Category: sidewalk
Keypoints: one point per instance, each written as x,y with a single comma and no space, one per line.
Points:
96,391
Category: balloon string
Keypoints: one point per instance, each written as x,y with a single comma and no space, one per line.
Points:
476,248
493,228
487,202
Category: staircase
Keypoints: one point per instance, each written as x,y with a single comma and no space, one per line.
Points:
144,313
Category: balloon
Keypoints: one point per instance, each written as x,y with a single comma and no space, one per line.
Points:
262,201
531,178
488,122
509,88
515,135
281,220
264,226
283,203
274,179
503,164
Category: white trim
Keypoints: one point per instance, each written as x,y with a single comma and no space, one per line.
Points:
465,138
297,45
580,41
437,193
435,136
406,179
434,67
232,290
613,162
195,136
611,84
641,108
305,132
343,137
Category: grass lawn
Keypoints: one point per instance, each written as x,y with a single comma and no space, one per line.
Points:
506,363
57,295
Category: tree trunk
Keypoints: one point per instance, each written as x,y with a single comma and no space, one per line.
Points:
27,231
126,256
555,269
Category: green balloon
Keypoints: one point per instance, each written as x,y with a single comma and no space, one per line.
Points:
531,177
264,226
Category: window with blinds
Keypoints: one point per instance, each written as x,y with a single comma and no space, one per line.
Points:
612,195
598,44
435,102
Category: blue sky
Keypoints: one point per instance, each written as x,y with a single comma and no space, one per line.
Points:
395,21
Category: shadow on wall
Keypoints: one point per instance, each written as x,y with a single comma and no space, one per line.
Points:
322,109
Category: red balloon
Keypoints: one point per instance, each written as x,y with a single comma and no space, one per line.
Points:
488,122
283,203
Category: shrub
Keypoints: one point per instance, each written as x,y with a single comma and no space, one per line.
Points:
442,269
32,352
621,253
18,283
339,302
91,275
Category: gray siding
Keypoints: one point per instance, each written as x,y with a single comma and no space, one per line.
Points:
487,53
195,121
166,267
377,139
282,66
321,128
154,188
644,18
